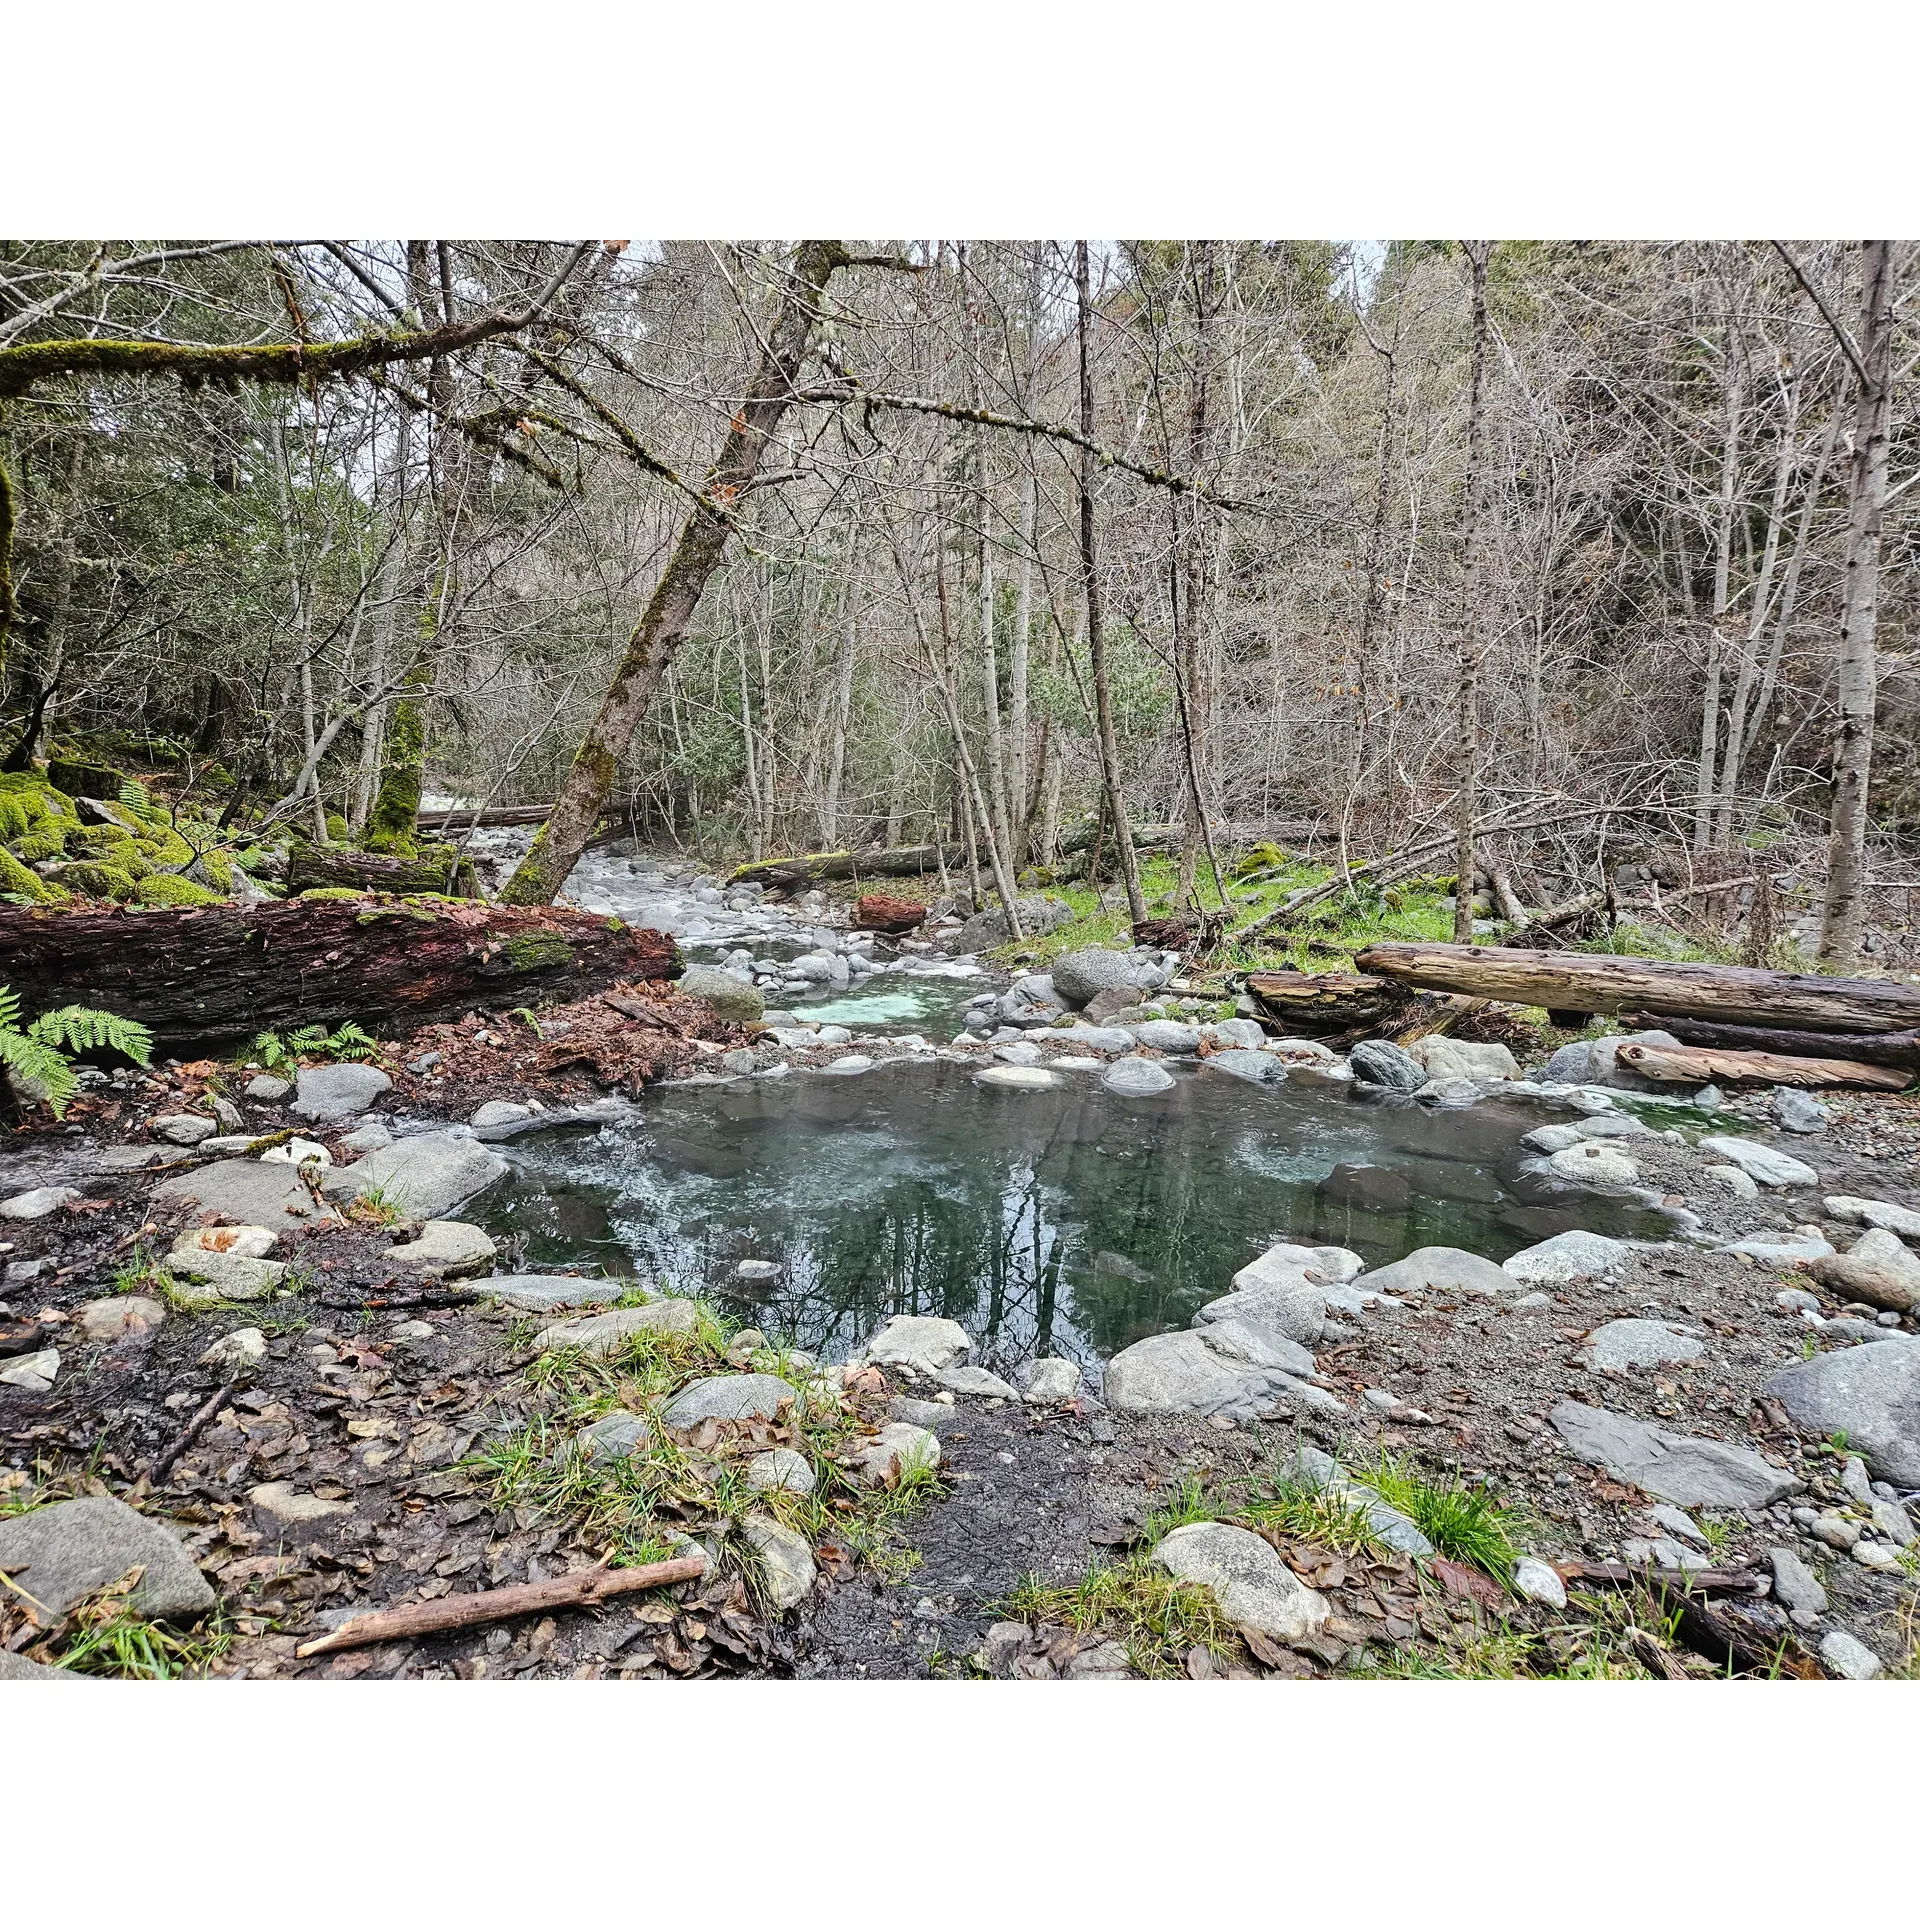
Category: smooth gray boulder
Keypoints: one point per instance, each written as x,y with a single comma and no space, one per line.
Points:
1594,1163
1446,1270
424,1175
1680,1467
1575,1255
1798,1111
1449,1059
367,1139
1379,1063
727,994
1238,1033
37,1202
458,1248
501,1120
1255,1588
1539,1581
545,1292
729,1396
1288,1259
1622,1345
268,1088
1017,1079
1248,1063
1795,1584
898,1446
922,1340
615,1436
606,1333
339,1091
1079,975
1167,1036
1181,1373
1766,1165
228,1276
1905,1221
975,1382
1849,1659
1051,1381
186,1129
244,1191
1785,1247
1288,1307
61,1553
1136,1078
1246,1337
1871,1393
120,1316
1879,1283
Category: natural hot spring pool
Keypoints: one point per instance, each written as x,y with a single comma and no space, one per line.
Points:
1073,1222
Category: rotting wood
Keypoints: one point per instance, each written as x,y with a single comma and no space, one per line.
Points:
442,871
458,1610
808,869
201,975
1609,983
1874,1049
1320,1003
1696,1066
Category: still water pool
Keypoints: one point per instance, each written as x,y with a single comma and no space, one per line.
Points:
1073,1221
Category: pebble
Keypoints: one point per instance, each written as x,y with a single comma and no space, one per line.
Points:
243,1348
1795,1585
781,1467
268,1088
38,1202
1538,1581
1847,1659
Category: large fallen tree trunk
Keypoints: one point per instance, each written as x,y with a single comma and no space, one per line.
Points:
809,869
1873,1049
1695,1066
458,819
1608,983
201,975
440,870
1325,1003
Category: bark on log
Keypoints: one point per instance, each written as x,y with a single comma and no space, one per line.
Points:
1695,1066
200,975
1873,1049
882,913
441,871
1607,983
1323,1003
459,819
808,869
458,1610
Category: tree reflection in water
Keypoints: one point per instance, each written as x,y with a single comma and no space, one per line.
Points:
1073,1221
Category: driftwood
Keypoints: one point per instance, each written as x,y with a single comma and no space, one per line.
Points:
1322,1003
1608,983
201,975
441,871
809,869
170,1458
1695,1066
1873,1049
458,1610
1617,1573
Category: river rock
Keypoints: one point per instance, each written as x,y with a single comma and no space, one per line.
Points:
1538,1581
37,1202
1286,1259
1798,1111
1167,1036
456,1247
501,1119
1567,1257
243,1191
1871,1393
1387,1523
337,1092
1247,1336
1136,1078
1449,1059
185,1129
281,1500
785,1561
297,1153
1379,1063
781,1469
897,1447
1018,1079
976,1382
1622,1345
1080,975
1254,1586
1689,1471
605,1333
1284,1306
1788,1247
728,1396
1238,1033
545,1292
120,1316
1181,1373
268,1088
1905,1221
614,1436
32,1372
240,1351
366,1139
1767,1165
727,994
1849,1278
1446,1270
1594,1164
63,1552
424,1175
1050,1381
920,1340
1847,1659
229,1276
1795,1585
1250,1064
16,1666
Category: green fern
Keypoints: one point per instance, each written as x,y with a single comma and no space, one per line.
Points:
283,1053
39,1053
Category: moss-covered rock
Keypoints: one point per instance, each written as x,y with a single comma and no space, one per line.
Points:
173,890
100,879
24,882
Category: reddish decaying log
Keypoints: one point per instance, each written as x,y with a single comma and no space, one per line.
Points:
1610,983
885,913
1695,1066
458,1610
1872,1049
201,975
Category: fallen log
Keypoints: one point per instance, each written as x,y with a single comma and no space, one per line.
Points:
809,869
1696,1066
440,870
1617,1573
459,819
1873,1049
1609,983
202,975
1322,1003
458,1610
884,913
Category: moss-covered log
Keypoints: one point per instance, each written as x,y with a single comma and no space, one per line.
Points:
204,976
810,869
436,869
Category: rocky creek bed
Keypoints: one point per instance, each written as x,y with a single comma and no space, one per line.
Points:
367,1402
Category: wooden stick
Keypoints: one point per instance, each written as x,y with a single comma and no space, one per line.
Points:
1616,1573
1694,1066
1875,1049
171,1457
459,1610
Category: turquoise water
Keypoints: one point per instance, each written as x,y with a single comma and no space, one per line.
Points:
1072,1221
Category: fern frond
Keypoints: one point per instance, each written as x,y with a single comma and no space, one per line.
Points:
25,1057
77,1029
9,1007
